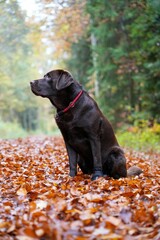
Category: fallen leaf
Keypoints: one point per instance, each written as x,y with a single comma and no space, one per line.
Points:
22,191
125,215
101,232
39,199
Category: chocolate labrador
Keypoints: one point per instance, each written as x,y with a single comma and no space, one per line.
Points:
88,135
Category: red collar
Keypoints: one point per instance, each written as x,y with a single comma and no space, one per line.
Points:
71,105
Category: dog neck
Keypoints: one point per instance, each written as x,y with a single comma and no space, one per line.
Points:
71,105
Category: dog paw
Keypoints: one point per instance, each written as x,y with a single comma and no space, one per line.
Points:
72,173
96,175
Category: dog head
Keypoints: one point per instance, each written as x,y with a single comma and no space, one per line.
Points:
51,83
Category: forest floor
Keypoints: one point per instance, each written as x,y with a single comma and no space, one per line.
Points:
38,200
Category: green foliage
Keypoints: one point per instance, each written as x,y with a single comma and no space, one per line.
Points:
125,57
80,66
18,66
141,138
14,60
117,58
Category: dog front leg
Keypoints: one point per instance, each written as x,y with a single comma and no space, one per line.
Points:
97,160
73,158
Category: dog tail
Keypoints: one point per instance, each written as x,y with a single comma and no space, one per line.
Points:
121,163
134,171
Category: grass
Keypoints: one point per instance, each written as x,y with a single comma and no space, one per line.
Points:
140,139
12,130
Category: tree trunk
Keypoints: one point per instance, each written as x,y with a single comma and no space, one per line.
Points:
94,57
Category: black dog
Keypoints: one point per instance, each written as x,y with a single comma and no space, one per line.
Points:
88,135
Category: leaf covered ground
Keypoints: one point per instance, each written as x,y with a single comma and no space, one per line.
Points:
38,200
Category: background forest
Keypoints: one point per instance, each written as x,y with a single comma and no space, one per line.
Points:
111,47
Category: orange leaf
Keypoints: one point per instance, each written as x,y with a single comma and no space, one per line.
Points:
22,191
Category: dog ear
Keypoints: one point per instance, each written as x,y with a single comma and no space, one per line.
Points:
65,79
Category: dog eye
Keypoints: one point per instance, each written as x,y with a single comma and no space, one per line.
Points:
47,78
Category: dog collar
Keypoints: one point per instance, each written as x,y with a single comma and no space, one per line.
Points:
71,105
